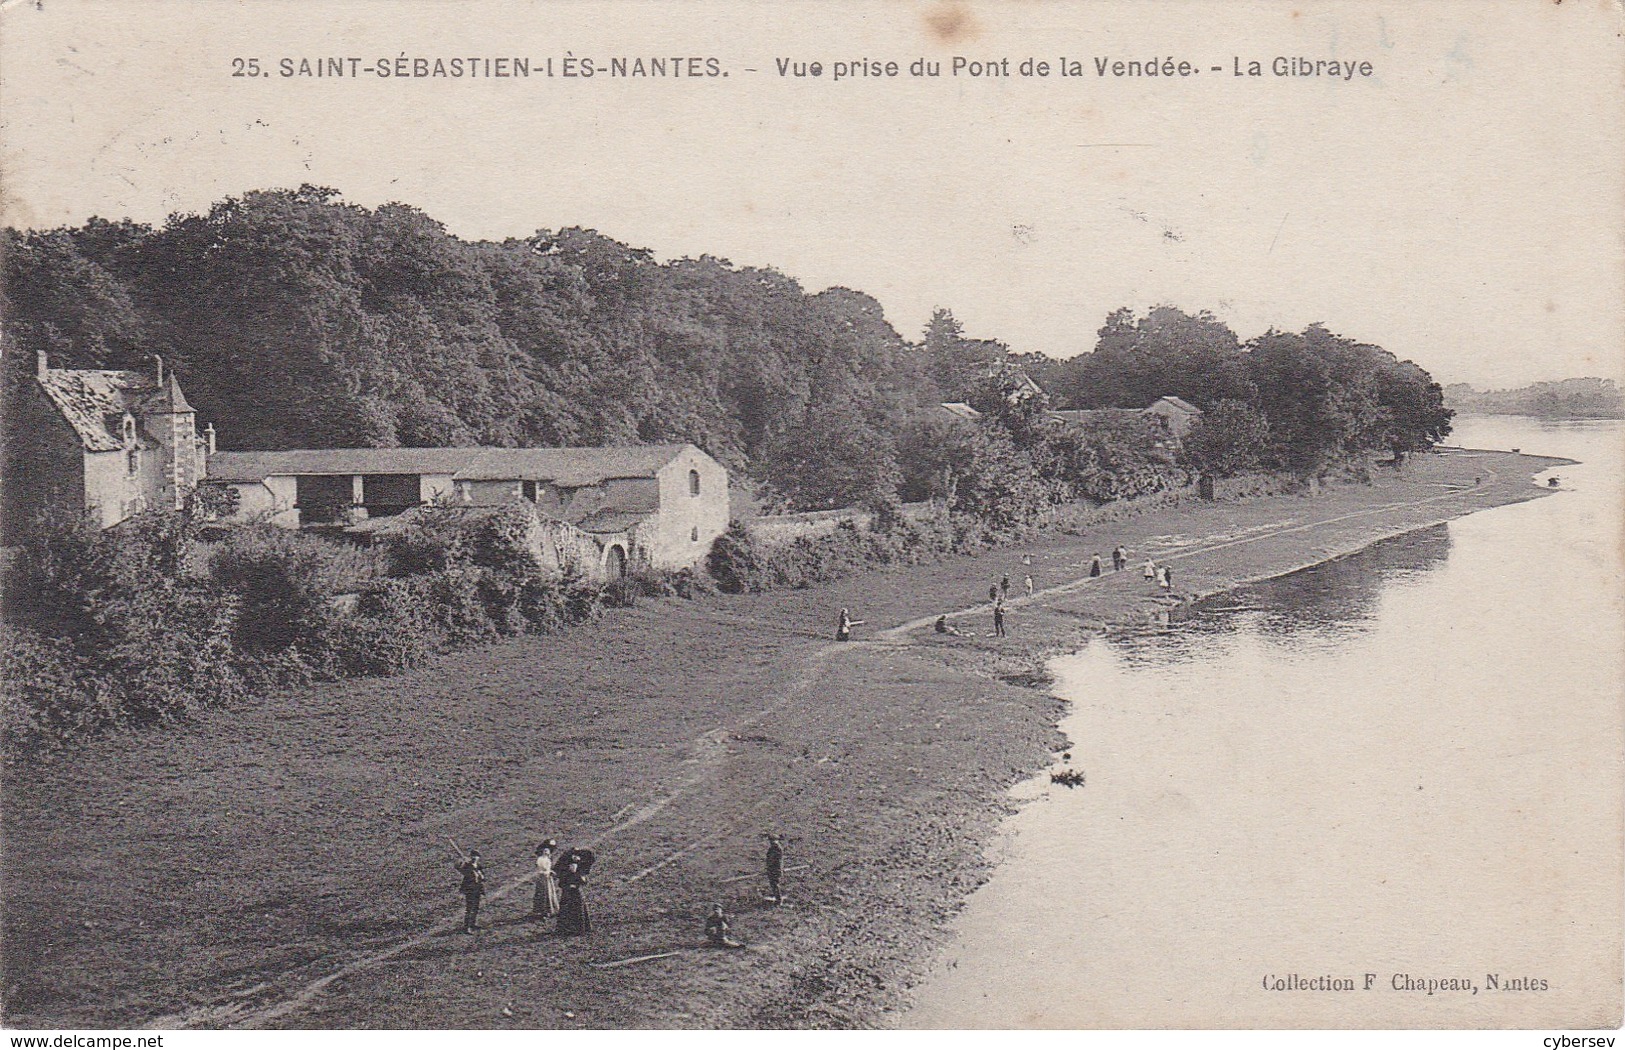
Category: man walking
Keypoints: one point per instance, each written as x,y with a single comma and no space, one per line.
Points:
998,620
775,867
473,888
1119,558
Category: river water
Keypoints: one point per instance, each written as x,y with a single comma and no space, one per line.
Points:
1407,763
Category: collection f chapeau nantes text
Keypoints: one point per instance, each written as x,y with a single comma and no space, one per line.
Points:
570,66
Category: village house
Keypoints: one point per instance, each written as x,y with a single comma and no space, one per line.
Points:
653,505
1170,417
98,442
1174,416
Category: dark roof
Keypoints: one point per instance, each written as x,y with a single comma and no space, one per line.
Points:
569,467
94,401
605,521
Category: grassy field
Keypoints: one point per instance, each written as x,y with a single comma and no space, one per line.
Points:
286,864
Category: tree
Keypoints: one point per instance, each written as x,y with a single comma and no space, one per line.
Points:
1230,438
834,458
956,362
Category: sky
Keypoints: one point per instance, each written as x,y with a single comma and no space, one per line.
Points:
1463,206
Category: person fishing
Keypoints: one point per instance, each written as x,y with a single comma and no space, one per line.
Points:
472,887
716,929
774,867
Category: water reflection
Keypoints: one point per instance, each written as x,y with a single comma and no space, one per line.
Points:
1320,606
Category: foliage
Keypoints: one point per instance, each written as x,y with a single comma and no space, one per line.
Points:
833,458
1232,437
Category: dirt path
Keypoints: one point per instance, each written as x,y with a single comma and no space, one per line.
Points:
781,727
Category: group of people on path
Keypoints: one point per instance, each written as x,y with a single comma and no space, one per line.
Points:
561,880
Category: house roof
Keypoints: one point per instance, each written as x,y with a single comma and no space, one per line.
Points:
94,401
1177,402
567,467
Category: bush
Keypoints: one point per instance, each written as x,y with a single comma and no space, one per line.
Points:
286,581
48,696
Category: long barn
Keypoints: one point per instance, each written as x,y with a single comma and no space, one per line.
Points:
655,505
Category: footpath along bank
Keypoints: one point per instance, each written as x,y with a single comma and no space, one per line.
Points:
284,864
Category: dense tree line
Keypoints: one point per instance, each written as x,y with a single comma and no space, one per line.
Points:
1587,398
297,320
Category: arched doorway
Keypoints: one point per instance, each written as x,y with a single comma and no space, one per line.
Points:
615,562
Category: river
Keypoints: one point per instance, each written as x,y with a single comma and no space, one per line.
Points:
1407,763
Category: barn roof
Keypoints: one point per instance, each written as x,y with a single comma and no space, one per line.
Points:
569,467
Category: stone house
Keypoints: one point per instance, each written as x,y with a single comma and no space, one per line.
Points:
98,442
1174,416
654,505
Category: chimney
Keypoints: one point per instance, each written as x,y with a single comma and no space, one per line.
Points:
208,437
158,365
42,364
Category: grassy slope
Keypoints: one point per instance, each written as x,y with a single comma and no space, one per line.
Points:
208,875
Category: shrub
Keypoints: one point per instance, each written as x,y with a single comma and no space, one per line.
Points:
48,696
285,581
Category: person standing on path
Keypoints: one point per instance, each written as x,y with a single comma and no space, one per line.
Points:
1004,586
472,889
775,868
1119,558
573,919
1094,567
998,620
1028,583
1163,579
1150,571
545,905
843,630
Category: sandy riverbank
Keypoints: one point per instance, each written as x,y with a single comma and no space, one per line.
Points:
284,864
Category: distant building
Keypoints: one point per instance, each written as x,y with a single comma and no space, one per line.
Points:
1174,415
1171,417
656,505
98,442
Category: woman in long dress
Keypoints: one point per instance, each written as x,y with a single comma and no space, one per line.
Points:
572,905
546,903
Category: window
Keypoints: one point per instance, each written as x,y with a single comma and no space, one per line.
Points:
127,431
527,489
694,534
693,483
132,461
